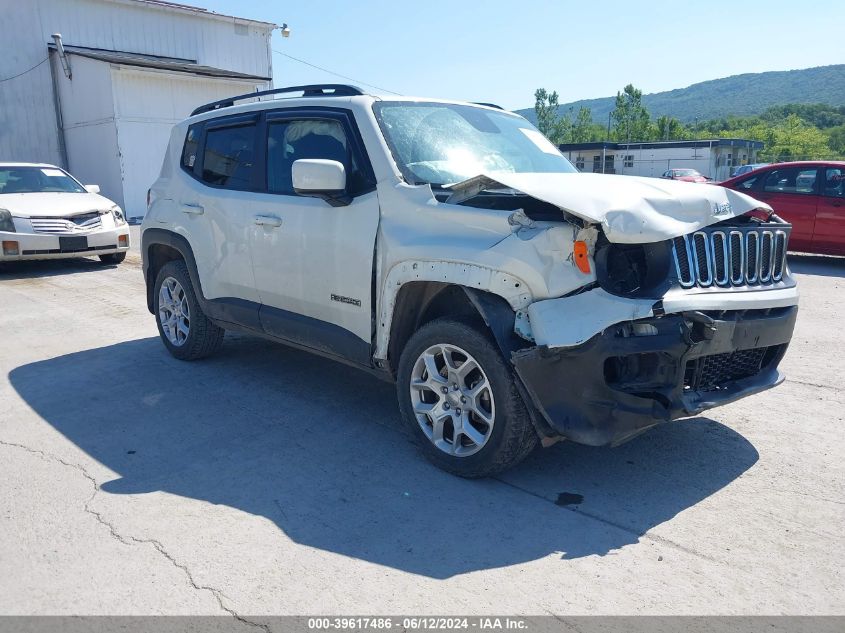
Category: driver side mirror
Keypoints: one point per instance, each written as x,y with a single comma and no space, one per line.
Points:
92,188
321,178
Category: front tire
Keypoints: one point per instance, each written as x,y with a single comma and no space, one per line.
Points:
458,396
184,329
113,258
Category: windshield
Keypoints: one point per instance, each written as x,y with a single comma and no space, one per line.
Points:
686,172
37,180
441,143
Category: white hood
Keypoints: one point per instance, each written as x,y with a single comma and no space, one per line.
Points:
630,209
53,204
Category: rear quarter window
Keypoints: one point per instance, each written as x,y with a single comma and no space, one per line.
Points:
189,151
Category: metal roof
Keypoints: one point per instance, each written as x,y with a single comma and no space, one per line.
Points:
153,61
187,8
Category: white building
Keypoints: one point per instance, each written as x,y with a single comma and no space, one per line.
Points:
130,70
715,158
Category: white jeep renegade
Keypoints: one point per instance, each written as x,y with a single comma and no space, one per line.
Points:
451,248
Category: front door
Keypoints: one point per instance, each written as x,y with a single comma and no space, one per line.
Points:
313,263
829,236
792,193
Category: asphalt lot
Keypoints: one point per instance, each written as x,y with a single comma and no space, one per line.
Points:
269,481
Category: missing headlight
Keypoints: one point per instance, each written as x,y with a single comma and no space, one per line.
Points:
632,270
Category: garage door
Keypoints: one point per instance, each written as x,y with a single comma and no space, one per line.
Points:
147,105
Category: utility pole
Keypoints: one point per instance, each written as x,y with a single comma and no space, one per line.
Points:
695,140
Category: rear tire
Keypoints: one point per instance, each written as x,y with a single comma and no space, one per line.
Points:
184,329
113,258
458,398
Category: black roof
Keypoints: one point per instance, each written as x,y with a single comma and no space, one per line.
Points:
311,90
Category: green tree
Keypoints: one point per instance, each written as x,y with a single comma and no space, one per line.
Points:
667,128
631,119
836,140
793,138
549,122
582,126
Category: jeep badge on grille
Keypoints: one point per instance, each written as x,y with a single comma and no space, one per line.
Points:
721,209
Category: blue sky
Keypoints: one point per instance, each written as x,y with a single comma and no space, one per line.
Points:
501,51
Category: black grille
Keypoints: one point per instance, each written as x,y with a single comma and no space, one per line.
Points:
720,263
708,373
780,250
683,261
752,243
766,256
702,263
736,258
54,251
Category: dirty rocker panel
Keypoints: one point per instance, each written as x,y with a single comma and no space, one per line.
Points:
618,384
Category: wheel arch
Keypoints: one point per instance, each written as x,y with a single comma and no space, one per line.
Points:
410,287
159,246
420,302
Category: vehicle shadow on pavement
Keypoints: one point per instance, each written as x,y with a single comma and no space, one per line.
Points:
821,265
318,448
50,267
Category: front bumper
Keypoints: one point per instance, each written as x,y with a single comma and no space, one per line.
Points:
640,373
49,246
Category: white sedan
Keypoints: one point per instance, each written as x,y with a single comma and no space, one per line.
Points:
45,213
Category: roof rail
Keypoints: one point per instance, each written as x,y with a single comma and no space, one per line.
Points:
312,90
489,105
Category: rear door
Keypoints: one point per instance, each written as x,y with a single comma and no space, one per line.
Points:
218,206
313,262
793,193
829,236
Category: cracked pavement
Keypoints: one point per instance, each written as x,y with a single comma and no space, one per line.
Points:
269,481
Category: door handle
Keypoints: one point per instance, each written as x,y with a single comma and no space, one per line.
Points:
193,209
268,220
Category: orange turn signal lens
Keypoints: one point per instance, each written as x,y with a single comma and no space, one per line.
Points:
123,241
582,260
11,248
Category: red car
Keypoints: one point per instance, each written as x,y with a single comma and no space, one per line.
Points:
685,174
810,195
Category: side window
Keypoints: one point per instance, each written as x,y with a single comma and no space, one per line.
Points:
834,183
189,151
291,140
748,183
229,156
791,180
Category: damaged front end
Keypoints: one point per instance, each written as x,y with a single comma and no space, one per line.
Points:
637,374
674,328
692,307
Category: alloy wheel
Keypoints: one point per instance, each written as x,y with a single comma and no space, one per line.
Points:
173,311
452,400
